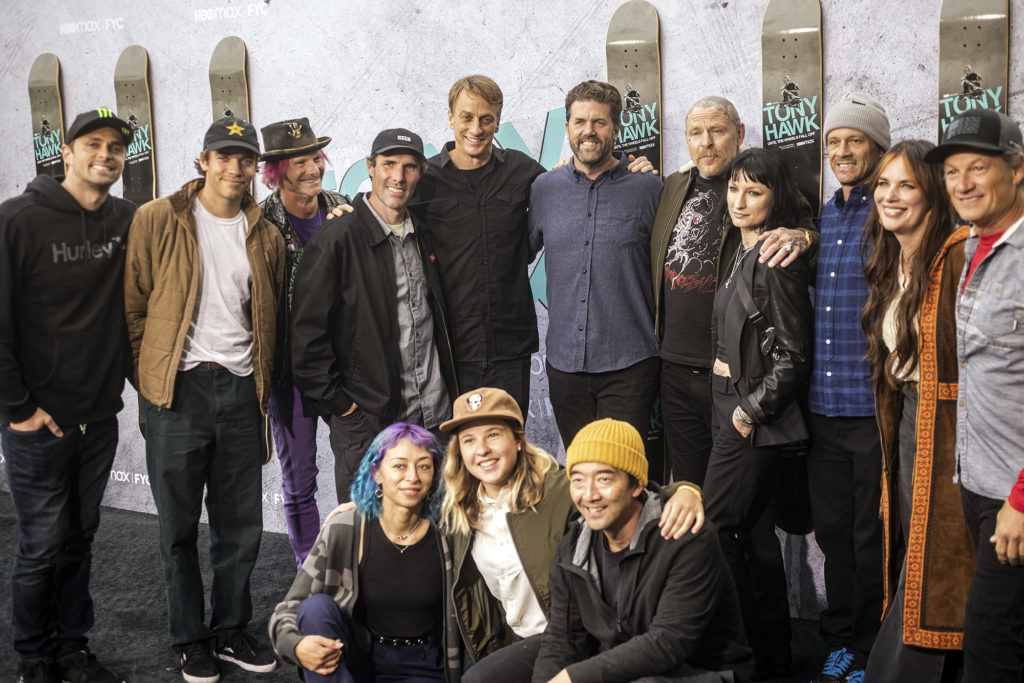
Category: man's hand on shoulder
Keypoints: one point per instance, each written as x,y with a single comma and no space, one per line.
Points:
1009,535
640,165
683,512
782,246
39,419
340,210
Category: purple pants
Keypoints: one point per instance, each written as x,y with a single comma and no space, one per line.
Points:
295,440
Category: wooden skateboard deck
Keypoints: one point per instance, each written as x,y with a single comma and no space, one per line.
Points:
47,115
973,59
131,85
634,67
791,114
228,85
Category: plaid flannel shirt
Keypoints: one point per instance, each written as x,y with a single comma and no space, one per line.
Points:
840,375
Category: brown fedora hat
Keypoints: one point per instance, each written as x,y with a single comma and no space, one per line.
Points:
290,138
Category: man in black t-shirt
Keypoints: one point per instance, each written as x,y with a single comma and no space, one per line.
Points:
686,245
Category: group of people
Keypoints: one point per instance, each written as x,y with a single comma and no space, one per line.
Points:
404,319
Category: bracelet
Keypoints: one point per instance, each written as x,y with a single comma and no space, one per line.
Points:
742,416
807,235
696,491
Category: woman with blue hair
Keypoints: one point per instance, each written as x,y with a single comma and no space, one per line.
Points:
369,602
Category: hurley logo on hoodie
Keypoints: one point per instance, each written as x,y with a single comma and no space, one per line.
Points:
66,253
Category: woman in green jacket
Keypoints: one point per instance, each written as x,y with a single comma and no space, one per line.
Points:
506,506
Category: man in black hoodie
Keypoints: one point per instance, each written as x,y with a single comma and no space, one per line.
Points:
63,361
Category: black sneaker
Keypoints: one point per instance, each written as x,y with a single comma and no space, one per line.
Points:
82,667
198,664
243,650
37,671
838,664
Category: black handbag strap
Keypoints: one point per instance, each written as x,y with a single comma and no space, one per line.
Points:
754,315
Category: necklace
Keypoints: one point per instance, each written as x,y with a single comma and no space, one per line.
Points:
388,535
740,253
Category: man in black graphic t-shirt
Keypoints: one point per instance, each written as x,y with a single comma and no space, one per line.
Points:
685,247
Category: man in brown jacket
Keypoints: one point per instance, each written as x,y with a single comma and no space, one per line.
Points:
203,275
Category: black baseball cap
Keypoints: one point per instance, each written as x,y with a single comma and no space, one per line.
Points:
984,130
231,131
394,139
101,117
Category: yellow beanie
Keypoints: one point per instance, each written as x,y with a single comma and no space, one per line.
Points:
611,442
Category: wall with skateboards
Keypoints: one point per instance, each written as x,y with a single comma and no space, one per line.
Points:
354,68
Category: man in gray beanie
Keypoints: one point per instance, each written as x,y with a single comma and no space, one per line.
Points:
844,464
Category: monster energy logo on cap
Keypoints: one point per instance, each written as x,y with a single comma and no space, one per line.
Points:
101,117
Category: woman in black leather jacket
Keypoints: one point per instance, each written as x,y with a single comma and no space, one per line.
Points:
762,336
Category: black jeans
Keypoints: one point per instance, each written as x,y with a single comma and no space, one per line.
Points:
209,439
511,375
686,415
57,484
994,621
737,493
844,472
579,398
350,437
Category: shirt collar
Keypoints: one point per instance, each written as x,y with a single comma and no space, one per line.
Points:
388,232
614,172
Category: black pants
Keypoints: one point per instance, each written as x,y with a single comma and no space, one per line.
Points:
579,398
994,621
511,375
56,484
511,664
737,493
686,416
844,472
209,439
350,437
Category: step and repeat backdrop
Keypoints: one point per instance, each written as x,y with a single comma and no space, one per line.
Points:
354,68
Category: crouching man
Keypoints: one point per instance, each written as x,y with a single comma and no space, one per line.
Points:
627,604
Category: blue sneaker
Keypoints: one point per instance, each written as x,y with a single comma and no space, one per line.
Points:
837,667
856,676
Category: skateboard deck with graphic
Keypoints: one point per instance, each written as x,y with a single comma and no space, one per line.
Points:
791,106
47,115
634,67
131,86
973,60
228,84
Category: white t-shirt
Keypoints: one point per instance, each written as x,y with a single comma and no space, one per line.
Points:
221,327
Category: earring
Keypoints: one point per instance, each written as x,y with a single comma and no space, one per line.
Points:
379,493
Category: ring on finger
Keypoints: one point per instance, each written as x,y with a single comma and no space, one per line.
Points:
789,246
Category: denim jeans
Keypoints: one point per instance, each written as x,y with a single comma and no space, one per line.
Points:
385,663
57,484
209,439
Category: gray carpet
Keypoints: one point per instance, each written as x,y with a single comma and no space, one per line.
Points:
130,635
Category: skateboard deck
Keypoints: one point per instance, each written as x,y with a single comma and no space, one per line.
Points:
791,109
47,115
228,86
131,85
634,67
972,57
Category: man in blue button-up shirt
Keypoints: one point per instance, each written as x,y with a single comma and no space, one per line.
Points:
983,163
594,217
845,462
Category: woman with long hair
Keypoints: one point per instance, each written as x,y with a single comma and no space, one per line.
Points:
762,337
506,507
912,266
370,601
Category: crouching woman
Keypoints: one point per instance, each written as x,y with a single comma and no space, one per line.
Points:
369,602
